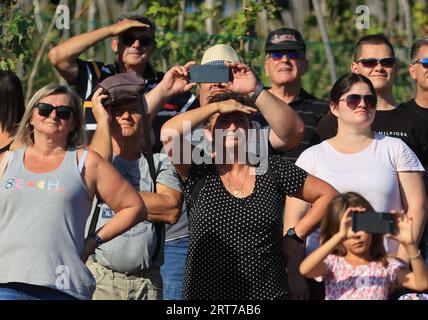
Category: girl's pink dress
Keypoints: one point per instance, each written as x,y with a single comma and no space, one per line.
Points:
366,282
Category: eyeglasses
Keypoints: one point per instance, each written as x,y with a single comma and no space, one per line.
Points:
423,62
129,39
277,55
373,62
353,100
62,112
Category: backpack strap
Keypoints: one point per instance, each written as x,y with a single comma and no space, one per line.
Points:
96,69
194,192
95,216
82,160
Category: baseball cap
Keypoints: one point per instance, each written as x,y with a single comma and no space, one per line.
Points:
284,39
122,88
218,54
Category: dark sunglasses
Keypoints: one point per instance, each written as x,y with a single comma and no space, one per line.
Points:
62,112
277,55
129,40
423,62
372,62
353,100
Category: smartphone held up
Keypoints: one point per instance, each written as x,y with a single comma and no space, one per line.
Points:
210,73
374,222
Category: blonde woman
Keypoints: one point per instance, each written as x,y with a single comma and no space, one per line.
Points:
47,191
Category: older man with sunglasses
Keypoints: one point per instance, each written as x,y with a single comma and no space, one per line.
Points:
285,65
133,43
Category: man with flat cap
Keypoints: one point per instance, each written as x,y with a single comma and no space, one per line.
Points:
129,267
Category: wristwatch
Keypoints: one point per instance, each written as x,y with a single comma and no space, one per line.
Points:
260,87
292,234
96,238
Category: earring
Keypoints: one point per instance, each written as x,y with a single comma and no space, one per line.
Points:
29,128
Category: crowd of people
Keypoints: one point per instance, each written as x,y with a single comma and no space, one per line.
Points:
144,191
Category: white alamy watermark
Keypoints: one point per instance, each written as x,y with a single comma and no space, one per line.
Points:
363,20
63,19
63,277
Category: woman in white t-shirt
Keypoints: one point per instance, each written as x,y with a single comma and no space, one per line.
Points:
382,169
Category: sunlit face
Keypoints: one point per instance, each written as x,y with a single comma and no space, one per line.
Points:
126,120
363,114
231,128
134,47
417,70
382,76
359,243
52,124
285,70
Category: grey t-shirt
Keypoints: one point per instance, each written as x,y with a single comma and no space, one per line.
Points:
133,250
42,226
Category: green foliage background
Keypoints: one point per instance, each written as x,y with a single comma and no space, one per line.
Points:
20,41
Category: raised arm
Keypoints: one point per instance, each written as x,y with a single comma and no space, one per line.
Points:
174,82
412,191
64,56
101,141
287,127
313,266
177,127
418,278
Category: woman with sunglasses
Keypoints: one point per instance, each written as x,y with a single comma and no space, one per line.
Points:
382,169
47,191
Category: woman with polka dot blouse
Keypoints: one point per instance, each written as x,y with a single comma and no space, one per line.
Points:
235,222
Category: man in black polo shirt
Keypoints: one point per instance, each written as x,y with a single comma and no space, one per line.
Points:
133,43
418,109
285,64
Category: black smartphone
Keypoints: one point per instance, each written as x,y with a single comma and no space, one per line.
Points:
209,73
373,222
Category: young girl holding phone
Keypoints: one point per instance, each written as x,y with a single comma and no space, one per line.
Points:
354,265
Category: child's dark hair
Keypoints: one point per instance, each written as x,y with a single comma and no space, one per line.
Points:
330,225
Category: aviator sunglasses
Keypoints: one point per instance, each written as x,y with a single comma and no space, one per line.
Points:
277,55
129,39
353,100
372,62
62,112
423,62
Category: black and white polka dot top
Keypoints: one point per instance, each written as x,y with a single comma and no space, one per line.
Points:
235,243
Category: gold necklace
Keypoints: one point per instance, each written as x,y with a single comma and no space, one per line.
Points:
237,191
